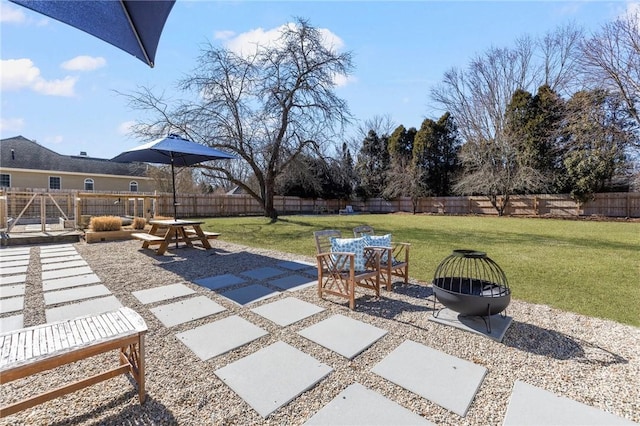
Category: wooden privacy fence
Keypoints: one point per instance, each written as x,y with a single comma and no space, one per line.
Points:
42,206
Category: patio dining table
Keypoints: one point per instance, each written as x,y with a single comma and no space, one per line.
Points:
177,231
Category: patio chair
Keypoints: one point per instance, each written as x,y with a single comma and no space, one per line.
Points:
395,262
341,271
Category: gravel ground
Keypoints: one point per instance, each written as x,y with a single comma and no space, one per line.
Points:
593,361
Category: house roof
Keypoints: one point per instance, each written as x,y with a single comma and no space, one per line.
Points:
21,153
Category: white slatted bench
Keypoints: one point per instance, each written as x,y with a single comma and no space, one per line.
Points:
43,347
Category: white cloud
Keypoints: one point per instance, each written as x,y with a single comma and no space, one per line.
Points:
9,13
11,124
18,74
125,127
223,35
246,43
633,11
249,42
84,63
342,80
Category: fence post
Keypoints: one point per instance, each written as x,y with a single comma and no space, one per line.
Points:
3,210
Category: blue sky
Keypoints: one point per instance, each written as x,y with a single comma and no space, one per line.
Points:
59,84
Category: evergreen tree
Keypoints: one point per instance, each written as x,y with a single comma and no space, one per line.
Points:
598,130
372,166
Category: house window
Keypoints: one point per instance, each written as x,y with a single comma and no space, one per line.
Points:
88,184
55,182
5,180
133,186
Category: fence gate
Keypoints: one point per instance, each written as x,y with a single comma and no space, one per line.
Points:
37,211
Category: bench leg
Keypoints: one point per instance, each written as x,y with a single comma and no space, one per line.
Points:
133,357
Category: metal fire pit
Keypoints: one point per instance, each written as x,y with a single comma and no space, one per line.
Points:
470,283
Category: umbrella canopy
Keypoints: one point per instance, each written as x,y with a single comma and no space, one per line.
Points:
172,150
133,26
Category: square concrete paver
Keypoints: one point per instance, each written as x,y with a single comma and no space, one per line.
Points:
75,293
164,292
499,324
88,307
66,282
67,272
11,263
17,251
11,304
11,323
56,247
219,337
11,290
446,380
13,279
530,405
14,270
343,335
62,265
287,311
294,266
58,259
293,282
219,281
12,258
273,376
263,273
245,295
186,310
358,405
68,252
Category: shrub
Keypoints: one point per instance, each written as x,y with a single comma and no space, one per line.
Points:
139,223
106,223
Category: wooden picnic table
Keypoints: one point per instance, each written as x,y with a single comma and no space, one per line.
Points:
167,231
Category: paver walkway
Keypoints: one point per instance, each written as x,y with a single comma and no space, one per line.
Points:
275,375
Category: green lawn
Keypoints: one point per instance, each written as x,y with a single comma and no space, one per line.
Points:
588,267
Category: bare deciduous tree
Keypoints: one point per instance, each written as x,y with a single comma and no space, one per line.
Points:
478,96
611,59
266,108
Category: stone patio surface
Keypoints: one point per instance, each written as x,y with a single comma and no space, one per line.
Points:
249,294
72,281
219,281
360,406
443,379
532,406
287,311
219,337
186,310
273,376
343,335
162,293
75,293
88,307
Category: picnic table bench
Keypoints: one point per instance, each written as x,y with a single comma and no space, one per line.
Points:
43,347
164,232
210,235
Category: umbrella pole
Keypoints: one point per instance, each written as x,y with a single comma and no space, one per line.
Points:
173,185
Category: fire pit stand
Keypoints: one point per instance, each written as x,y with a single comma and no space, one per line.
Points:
470,283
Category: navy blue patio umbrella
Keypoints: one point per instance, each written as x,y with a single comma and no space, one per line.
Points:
134,26
173,150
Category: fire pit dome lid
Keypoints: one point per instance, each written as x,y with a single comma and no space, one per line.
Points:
472,254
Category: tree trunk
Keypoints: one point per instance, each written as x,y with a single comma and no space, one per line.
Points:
269,209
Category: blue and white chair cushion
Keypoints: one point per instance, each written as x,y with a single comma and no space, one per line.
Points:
351,245
379,241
